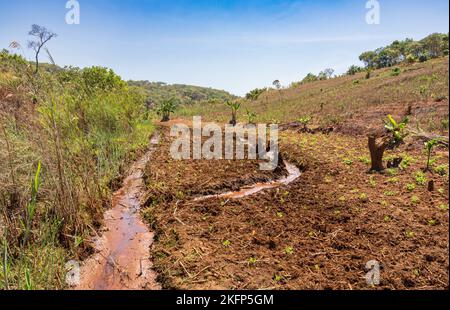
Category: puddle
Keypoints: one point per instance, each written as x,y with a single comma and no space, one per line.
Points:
122,261
293,174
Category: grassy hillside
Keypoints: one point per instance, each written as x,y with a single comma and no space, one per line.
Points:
352,103
185,94
66,137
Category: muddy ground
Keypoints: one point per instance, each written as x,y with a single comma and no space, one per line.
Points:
316,233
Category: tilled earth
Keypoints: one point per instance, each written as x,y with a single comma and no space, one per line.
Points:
317,233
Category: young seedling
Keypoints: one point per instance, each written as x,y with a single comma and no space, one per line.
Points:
304,121
251,116
289,250
429,145
234,106
397,135
397,130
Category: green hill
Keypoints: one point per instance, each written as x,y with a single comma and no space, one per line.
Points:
185,94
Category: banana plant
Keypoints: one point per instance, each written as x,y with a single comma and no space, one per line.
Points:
234,106
251,116
166,108
396,129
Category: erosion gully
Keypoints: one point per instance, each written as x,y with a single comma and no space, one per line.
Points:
122,258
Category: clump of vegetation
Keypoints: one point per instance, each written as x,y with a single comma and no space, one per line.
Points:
420,177
166,108
157,92
410,187
251,116
234,105
397,134
433,46
441,170
396,71
397,130
304,121
254,94
82,127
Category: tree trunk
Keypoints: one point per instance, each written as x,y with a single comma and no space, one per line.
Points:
233,119
37,61
165,118
376,153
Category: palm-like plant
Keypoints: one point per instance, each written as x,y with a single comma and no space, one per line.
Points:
234,106
166,108
251,116
396,129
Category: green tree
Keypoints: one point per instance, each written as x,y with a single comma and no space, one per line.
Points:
353,70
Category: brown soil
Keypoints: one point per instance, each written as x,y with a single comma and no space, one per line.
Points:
316,233
122,260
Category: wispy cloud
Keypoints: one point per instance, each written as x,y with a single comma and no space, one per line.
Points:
271,40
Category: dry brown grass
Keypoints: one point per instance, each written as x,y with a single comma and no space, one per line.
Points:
349,100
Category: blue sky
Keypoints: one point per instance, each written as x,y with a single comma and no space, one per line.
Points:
232,45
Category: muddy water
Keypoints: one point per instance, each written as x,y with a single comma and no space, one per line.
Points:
122,260
293,174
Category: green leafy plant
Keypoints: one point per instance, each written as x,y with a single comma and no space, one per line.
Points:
396,71
28,283
429,145
31,206
432,222
396,129
251,116
410,187
348,161
252,261
420,177
166,108
234,105
304,121
409,234
441,170
363,198
289,250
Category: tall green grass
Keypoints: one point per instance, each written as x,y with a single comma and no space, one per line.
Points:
72,133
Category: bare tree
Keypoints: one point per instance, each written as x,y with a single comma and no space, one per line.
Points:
43,35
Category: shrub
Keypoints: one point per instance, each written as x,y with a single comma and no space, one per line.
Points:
396,71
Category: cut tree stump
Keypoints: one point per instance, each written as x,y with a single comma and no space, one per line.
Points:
377,148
